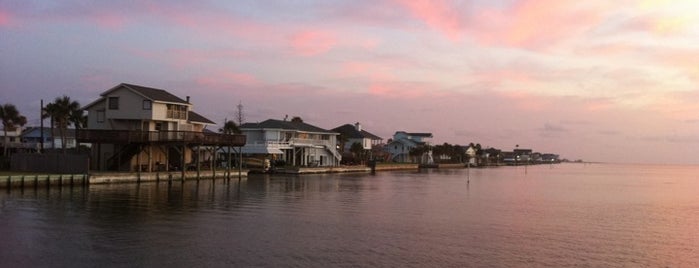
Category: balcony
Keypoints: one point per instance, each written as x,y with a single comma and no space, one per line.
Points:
137,136
177,114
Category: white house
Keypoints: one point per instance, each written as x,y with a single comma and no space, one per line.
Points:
401,144
12,140
147,128
296,143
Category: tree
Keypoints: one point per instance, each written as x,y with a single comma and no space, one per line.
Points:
11,118
63,112
229,128
418,151
296,119
341,141
357,149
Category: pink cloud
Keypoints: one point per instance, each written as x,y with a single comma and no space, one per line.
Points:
312,42
534,24
526,101
684,59
228,79
677,105
438,14
5,19
597,105
402,90
512,75
185,57
110,20
374,71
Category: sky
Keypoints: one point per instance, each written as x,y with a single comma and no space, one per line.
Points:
608,81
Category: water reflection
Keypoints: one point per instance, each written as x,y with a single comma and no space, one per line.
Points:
562,216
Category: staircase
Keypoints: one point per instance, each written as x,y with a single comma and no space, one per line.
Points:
334,152
121,159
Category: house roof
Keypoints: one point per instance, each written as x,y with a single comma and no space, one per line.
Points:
195,117
417,134
153,94
407,142
351,132
286,125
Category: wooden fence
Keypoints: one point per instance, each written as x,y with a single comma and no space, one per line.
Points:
50,163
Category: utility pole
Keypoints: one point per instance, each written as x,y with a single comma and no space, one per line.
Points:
41,119
241,118
239,114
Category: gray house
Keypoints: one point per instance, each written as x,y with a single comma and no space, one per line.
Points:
355,134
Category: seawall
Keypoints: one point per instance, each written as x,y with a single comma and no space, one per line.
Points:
343,169
57,180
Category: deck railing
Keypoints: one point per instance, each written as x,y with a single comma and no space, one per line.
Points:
137,136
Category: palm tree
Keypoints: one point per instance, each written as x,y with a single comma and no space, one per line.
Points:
229,128
11,118
63,112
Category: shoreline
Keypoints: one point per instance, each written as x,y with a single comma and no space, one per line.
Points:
22,180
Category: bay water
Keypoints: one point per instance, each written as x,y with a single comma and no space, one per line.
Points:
582,215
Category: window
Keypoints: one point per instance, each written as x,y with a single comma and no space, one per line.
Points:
100,116
147,105
113,103
158,126
176,111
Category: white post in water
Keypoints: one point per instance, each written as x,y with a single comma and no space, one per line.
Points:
525,167
468,173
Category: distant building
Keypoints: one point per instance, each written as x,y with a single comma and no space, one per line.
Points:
12,141
471,153
294,143
403,142
550,158
523,155
31,138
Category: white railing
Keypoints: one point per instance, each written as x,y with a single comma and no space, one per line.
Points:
268,144
310,142
290,143
335,153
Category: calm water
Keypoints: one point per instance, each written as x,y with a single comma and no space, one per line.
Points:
562,215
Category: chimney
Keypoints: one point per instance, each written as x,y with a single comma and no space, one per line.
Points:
358,126
187,99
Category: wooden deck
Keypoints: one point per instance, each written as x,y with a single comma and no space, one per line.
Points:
154,137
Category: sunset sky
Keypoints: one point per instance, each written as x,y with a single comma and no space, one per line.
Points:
613,81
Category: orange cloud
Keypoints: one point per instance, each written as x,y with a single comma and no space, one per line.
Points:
310,42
